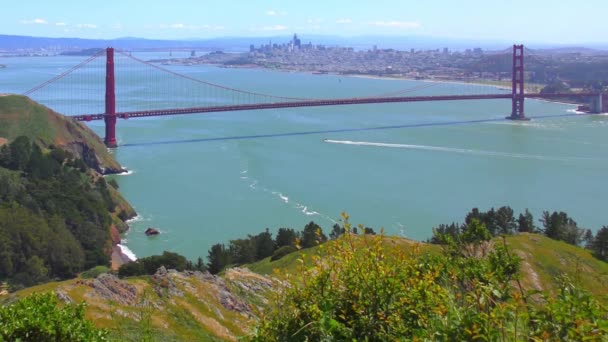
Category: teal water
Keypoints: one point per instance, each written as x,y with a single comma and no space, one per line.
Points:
203,179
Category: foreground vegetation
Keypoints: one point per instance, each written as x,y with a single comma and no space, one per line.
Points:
364,290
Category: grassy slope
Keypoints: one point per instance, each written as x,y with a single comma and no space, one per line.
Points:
543,260
21,116
196,316
199,316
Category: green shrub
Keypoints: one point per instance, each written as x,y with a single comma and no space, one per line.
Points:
367,288
283,251
94,272
39,318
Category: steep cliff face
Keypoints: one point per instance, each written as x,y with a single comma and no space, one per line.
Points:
20,115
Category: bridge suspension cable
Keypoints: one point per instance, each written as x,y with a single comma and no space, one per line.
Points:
65,73
213,84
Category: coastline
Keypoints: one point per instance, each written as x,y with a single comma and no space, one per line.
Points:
118,258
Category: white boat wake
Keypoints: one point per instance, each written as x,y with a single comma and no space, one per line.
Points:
457,150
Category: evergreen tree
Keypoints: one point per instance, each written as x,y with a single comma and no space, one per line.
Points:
218,258
286,237
336,231
264,244
525,223
312,235
600,244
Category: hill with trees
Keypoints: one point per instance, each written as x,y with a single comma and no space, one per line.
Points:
56,210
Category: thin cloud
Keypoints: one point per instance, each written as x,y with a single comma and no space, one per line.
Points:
61,24
271,28
344,21
86,26
37,21
315,20
273,13
396,24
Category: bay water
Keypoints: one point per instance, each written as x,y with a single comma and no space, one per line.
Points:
208,178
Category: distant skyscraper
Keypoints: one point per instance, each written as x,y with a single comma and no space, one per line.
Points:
296,41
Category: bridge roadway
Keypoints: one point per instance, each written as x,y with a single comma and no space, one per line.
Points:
321,102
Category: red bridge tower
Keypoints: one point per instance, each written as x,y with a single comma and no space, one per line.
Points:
110,117
517,84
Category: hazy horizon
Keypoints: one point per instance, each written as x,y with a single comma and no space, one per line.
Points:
544,22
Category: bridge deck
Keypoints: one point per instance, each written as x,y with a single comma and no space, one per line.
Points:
323,102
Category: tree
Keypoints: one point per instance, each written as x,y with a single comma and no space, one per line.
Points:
560,226
505,220
525,223
218,258
20,150
243,251
312,235
336,231
265,245
286,237
368,230
588,238
600,244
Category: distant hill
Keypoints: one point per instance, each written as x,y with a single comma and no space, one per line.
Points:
239,44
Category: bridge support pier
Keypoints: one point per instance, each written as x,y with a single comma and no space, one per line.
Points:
110,114
596,105
517,85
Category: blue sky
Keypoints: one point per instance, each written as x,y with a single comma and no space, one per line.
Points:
554,21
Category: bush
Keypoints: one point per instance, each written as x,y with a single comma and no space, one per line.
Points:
149,265
94,272
283,251
38,318
367,288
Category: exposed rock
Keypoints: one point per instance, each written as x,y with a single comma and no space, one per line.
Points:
165,283
62,296
231,302
109,287
152,231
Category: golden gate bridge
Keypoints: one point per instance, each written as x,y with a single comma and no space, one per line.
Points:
247,100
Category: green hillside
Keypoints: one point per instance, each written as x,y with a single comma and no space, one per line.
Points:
20,116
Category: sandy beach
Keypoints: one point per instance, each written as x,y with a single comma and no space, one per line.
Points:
118,257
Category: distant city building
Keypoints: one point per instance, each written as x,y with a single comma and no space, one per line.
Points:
296,41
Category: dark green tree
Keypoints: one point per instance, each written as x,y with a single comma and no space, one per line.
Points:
336,231
525,223
368,230
286,237
505,220
243,251
218,258
20,151
560,226
600,244
265,245
312,235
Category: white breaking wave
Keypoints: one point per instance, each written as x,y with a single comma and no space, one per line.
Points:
128,173
455,150
137,218
305,210
127,252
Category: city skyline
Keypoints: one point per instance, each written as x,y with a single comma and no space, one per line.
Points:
564,22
